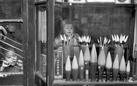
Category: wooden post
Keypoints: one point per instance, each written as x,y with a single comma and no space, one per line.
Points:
50,41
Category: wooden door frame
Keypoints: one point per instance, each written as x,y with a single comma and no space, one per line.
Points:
50,43
20,78
29,14
29,30
27,78
39,81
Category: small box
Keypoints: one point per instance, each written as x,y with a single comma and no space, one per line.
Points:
58,65
112,1
77,1
40,0
123,1
58,0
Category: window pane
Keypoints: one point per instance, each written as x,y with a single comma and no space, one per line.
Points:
11,47
41,40
79,25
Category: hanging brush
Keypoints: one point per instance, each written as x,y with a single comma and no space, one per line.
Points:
103,41
119,40
84,40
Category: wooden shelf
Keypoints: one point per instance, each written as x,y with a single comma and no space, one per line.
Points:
11,21
65,4
12,78
59,82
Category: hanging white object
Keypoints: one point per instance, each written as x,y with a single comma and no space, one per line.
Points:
74,63
68,64
123,1
81,58
93,58
44,30
58,0
123,64
101,1
77,1
128,67
42,26
116,63
109,61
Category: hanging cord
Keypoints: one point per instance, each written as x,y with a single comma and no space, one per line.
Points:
11,45
11,39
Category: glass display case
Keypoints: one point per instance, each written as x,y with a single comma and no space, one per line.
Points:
94,42
85,43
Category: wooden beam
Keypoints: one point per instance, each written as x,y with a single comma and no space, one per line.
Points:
50,41
13,79
11,21
25,42
31,43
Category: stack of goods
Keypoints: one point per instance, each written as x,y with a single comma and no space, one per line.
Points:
95,62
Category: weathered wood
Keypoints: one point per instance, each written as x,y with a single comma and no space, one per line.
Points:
39,80
15,79
30,41
50,41
25,42
81,83
10,9
11,21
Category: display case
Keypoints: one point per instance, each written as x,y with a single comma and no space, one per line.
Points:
41,10
85,43
41,41
96,42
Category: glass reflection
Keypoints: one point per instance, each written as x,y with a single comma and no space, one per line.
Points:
11,52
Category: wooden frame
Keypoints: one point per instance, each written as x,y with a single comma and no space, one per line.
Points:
39,79
21,78
50,38
29,25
